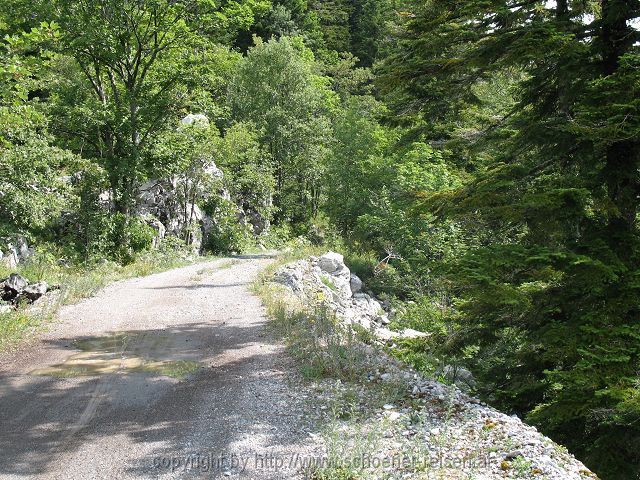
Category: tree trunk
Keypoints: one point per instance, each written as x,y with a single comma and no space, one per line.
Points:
622,156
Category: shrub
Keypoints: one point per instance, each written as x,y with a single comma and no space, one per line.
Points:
227,234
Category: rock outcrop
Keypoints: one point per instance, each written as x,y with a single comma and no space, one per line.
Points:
173,206
327,279
14,250
15,289
195,118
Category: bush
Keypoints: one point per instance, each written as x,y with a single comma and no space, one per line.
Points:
171,245
140,235
361,264
276,236
227,234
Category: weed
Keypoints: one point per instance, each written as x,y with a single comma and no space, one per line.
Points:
329,283
521,467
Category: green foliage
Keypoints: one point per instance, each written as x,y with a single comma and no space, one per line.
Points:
276,89
361,264
35,186
227,234
20,69
355,167
186,156
276,237
530,101
373,183
89,228
248,170
140,235
369,22
129,59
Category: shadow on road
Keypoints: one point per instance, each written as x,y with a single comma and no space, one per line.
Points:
45,417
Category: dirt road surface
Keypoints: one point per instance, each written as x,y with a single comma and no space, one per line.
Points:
174,375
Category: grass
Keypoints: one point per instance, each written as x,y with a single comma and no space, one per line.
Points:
76,282
328,283
346,451
339,360
17,325
324,348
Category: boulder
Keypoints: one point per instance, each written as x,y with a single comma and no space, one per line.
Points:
207,227
160,207
458,375
35,291
331,266
22,248
13,250
258,222
342,293
331,262
355,283
386,335
161,201
15,284
195,118
212,170
8,260
5,308
292,276
411,333
194,212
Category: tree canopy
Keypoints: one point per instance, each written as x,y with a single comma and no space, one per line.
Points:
478,161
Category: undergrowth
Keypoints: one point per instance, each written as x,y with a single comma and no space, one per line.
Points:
340,362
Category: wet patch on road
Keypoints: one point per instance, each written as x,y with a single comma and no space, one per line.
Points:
126,352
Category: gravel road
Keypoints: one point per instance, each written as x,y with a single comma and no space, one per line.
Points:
168,376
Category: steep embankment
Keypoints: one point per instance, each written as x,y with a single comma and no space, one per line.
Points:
383,410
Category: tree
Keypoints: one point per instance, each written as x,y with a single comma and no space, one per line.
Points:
333,16
357,167
368,25
35,182
248,173
24,57
187,157
276,89
549,299
126,51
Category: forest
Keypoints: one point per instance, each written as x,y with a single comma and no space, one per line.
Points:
478,163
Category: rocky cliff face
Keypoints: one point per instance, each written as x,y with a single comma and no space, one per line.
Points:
446,431
174,205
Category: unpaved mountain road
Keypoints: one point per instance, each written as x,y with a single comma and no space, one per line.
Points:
172,375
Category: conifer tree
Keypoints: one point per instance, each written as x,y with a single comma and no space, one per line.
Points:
551,302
